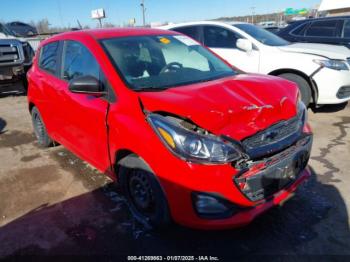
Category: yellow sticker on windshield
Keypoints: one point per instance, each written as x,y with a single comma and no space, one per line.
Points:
164,40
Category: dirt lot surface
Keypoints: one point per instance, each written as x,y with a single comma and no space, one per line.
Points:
52,203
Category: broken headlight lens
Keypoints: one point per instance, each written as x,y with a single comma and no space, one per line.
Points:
193,146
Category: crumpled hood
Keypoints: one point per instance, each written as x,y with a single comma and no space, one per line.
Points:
237,107
329,51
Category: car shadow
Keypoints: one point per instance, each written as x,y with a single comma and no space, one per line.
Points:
330,108
100,223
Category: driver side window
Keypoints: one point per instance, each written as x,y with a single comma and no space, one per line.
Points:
78,61
219,37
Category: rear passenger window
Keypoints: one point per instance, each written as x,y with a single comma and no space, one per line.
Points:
219,37
48,57
191,31
326,28
78,61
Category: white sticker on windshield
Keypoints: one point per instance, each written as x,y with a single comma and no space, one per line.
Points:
186,40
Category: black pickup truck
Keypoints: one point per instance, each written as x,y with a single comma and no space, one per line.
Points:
15,60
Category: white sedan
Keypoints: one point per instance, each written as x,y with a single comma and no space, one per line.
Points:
321,71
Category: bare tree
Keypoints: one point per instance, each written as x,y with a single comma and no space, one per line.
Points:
43,26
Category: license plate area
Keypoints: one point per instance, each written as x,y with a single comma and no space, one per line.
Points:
267,177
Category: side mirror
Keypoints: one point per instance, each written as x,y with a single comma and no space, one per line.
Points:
244,44
86,85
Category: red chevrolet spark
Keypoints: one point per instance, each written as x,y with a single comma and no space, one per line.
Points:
187,137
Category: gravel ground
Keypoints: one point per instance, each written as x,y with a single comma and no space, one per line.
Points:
52,203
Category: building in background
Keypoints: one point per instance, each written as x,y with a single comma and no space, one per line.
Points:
335,7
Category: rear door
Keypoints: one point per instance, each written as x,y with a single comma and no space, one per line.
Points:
84,130
48,84
223,42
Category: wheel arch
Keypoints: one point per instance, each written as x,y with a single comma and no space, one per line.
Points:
30,106
119,155
124,153
312,84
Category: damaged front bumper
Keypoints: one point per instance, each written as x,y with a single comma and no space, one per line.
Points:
262,179
265,183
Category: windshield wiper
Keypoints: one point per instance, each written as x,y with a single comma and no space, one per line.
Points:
150,89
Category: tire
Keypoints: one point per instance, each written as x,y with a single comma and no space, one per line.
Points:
304,87
40,130
24,86
143,192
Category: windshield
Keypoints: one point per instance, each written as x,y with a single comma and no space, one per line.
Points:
5,30
164,61
262,35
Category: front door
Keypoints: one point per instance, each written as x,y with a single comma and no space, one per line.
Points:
84,130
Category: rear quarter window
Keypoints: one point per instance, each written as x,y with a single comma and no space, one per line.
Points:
48,59
300,29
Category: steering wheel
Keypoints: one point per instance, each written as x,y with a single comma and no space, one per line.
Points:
173,66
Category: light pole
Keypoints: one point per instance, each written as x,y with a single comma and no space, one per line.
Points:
253,13
143,12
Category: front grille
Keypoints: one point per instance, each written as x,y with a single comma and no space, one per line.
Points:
8,53
273,139
11,52
267,177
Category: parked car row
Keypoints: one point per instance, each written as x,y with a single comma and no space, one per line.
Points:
175,120
322,72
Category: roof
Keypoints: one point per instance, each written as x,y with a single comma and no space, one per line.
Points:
327,5
113,32
201,23
318,19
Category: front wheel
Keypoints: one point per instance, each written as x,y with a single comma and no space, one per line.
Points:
303,85
143,192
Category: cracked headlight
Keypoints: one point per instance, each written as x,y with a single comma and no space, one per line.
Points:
332,64
193,146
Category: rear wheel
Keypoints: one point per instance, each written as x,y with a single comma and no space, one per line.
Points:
40,130
304,87
143,192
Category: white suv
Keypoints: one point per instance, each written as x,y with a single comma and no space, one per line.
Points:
321,71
